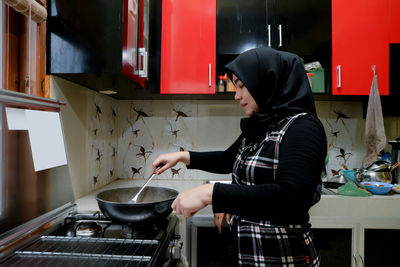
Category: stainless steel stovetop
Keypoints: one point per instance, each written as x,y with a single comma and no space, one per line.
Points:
94,240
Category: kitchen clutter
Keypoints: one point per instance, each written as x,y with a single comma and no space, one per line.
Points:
380,177
376,179
375,137
395,157
351,189
225,84
316,76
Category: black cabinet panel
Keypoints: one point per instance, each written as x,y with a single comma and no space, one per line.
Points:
381,247
241,25
305,26
83,39
390,103
334,246
213,249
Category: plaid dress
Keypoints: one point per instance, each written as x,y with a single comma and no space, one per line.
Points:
261,243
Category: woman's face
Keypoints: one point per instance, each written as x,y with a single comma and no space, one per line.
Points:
244,97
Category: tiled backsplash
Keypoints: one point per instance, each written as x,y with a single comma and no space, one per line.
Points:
149,128
108,139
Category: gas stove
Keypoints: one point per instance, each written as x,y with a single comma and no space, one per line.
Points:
91,239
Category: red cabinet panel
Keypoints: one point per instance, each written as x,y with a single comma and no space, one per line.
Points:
360,39
188,47
394,21
132,38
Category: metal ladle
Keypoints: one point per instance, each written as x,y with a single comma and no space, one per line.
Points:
135,198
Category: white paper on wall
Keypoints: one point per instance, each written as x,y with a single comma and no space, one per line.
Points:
16,119
46,138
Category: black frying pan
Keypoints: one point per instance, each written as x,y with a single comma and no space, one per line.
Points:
154,205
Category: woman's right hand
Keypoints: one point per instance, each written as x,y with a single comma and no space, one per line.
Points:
169,160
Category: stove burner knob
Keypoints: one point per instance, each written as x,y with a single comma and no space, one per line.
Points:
175,249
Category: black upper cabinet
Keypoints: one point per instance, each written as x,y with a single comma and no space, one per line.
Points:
302,27
241,25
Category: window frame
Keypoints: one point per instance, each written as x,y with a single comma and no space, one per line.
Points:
24,53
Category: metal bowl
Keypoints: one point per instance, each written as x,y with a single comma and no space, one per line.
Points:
376,176
380,165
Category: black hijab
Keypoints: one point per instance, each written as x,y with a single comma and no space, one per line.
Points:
278,83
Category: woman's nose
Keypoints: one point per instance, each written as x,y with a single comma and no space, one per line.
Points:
237,95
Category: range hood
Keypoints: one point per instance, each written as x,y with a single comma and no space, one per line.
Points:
103,45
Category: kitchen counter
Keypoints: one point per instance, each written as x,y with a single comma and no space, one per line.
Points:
329,205
332,211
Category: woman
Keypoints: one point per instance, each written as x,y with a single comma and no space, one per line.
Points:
276,163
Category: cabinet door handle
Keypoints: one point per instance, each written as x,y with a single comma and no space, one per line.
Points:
355,260
142,68
280,35
338,76
269,35
142,56
209,75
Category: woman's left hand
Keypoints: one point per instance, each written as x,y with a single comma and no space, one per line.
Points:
190,202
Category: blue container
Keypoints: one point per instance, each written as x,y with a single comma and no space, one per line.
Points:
377,188
349,174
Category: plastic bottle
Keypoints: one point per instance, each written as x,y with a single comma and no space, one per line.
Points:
221,84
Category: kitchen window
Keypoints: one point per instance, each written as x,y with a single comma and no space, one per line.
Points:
23,52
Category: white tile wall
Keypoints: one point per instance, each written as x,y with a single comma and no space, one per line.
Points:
139,130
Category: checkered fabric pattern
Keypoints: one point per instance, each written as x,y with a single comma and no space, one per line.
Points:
260,243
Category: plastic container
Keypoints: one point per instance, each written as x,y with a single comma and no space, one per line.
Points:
377,188
309,76
349,174
317,80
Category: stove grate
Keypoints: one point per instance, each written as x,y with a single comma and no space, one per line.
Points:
105,249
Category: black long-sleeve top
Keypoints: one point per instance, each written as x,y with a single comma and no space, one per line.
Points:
287,200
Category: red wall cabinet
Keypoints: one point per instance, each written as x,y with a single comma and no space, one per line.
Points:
188,47
394,21
132,60
360,39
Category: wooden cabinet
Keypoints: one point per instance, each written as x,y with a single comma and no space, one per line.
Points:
188,47
360,39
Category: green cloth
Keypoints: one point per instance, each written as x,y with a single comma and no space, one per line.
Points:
351,189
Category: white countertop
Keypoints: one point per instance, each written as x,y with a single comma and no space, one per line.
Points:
329,205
